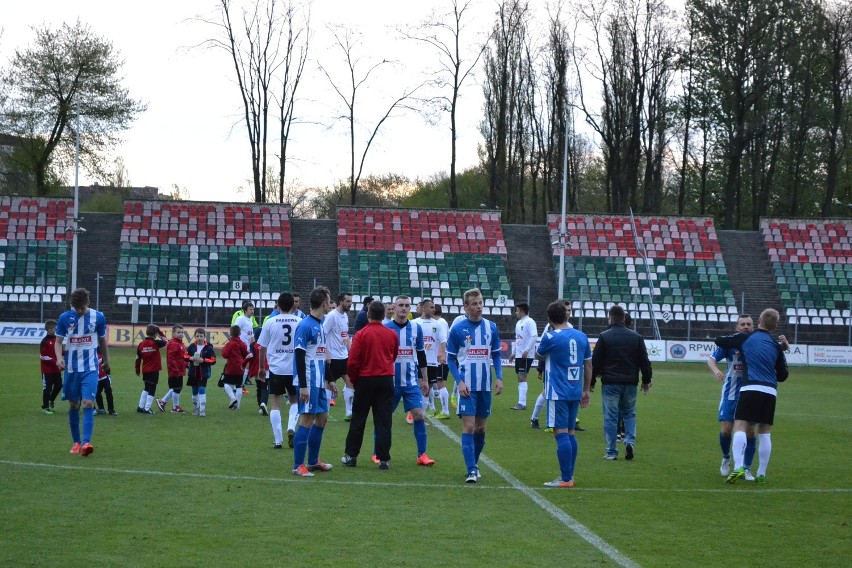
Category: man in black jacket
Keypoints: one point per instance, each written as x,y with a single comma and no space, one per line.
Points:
361,318
618,357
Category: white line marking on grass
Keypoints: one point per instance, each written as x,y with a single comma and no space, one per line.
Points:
570,522
319,478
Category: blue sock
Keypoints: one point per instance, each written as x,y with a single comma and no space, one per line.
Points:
420,436
89,424
314,442
300,445
478,444
202,390
563,454
725,444
573,439
751,447
468,452
74,423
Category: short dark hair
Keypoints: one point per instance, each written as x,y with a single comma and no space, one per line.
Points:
368,300
616,313
176,327
342,296
285,301
557,312
49,324
628,320
425,300
438,309
235,331
152,330
376,311
524,307
79,298
247,304
319,295
199,330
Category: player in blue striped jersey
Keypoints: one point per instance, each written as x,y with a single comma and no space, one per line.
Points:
473,347
410,381
82,331
567,385
310,373
731,383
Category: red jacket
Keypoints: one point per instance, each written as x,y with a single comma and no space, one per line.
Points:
253,364
234,352
148,354
48,355
177,358
373,352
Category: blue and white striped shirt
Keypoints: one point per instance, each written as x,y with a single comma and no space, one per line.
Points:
406,369
734,372
310,338
80,335
472,348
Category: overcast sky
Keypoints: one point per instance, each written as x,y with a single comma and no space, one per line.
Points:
191,134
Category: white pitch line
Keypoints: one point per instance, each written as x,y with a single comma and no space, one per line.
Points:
570,522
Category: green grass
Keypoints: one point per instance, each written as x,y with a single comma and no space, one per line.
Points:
172,490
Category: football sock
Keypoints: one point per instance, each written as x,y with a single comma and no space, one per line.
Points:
574,447
202,403
431,400
300,445
175,399
478,444
143,398
229,390
238,394
45,397
314,443
539,404
563,455
89,425
328,396
522,393
444,395
149,400
725,444
348,397
74,423
194,400
419,427
275,420
751,446
764,450
738,448
167,397
468,451
293,417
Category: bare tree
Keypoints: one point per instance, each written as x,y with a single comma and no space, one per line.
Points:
348,42
443,32
839,127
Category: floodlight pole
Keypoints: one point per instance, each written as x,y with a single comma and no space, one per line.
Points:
76,228
562,233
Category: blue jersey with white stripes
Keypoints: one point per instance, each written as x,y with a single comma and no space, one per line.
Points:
565,352
80,335
472,348
763,362
310,338
405,369
734,372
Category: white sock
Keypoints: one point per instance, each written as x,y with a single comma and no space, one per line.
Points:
239,395
522,393
175,399
166,398
444,396
293,417
195,400
456,390
431,404
229,390
202,403
764,450
738,445
275,420
149,400
328,396
539,404
143,399
348,397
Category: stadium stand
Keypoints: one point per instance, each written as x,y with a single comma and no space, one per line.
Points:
181,253
34,249
812,261
422,253
681,272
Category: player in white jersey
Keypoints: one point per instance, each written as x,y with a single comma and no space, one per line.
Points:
82,331
310,363
473,348
410,379
336,328
435,345
277,344
523,350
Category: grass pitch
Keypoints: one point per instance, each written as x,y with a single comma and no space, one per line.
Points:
172,490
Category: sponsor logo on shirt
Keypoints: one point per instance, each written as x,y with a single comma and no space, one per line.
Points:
477,352
405,352
80,340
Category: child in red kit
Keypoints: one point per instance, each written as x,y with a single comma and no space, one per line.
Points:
235,353
51,376
177,360
149,363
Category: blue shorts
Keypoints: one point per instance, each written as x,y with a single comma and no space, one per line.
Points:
80,386
317,402
477,404
411,398
727,407
562,414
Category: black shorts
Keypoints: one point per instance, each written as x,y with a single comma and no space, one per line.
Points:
235,380
51,379
195,381
338,368
153,377
280,384
523,364
432,372
175,383
444,372
755,407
